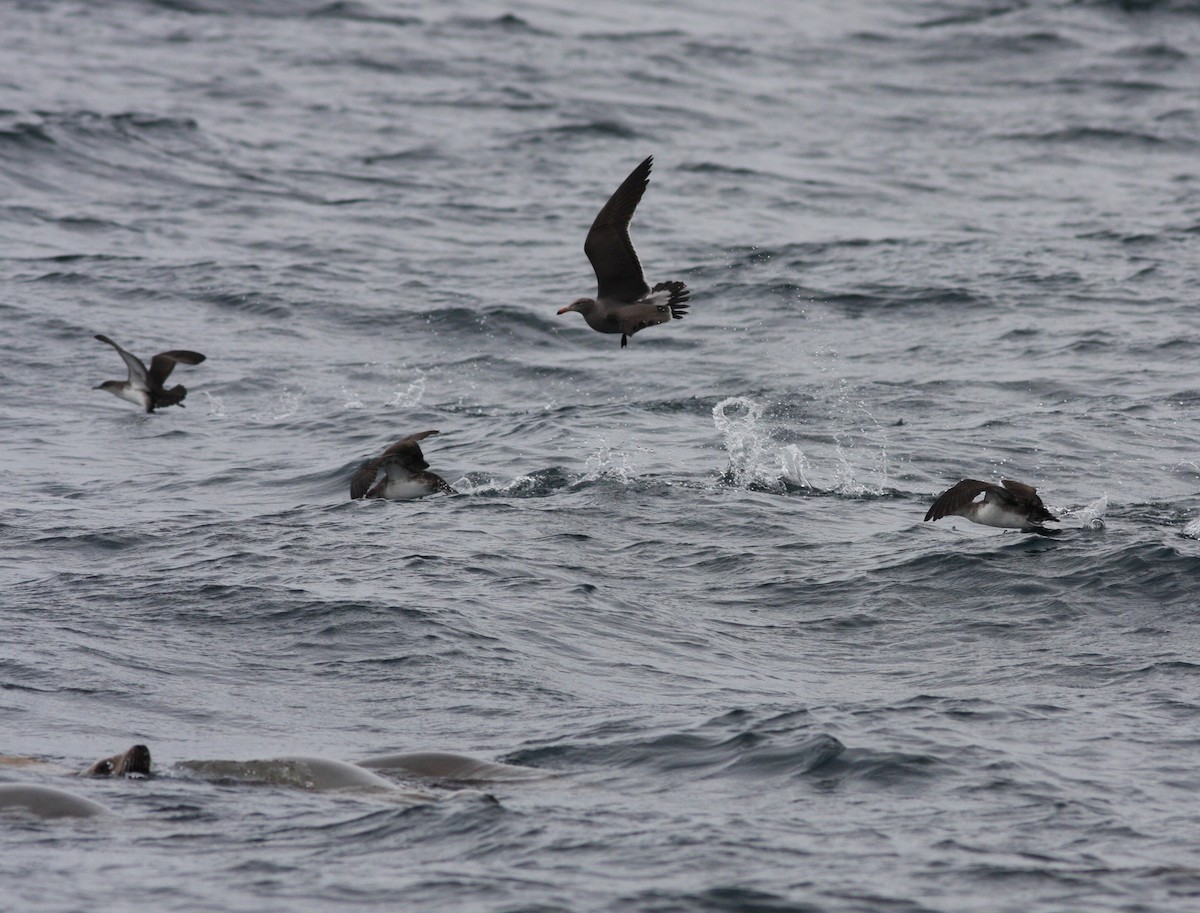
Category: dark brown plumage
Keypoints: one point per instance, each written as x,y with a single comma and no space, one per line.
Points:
405,471
145,388
1011,504
624,303
618,271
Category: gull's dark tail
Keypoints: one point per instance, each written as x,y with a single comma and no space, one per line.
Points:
680,296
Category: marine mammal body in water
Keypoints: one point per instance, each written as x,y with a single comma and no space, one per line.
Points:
133,763
47,802
442,765
296,771
303,772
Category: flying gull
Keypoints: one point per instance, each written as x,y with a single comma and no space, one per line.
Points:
145,388
405,473
624,303
1009,505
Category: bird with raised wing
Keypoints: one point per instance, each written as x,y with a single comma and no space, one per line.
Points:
624,303
145,387
405,476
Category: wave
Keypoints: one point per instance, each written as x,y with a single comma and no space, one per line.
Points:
873,297
734,744
1102,136
509,23
64,128
1183,7
986,569
358,12
67,149
599,128
738,744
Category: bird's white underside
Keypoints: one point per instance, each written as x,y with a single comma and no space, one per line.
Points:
133,395
404,489
990,513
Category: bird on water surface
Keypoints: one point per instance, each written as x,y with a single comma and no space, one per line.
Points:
145,388
624,303
406,475
1009,505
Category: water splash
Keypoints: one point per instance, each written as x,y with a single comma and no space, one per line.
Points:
1192,530
860,447
795,466
286,405
753,462
1187,467
536,484
410,395
608,463
480,485
353,400
216,405
840,473
1091,516
853,463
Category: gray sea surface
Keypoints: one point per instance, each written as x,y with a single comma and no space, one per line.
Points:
688,580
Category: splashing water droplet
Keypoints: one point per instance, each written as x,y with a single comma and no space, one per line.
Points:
795,466
854,463
1091,515
353,400
410,396
608,463
287,405
752,462
216,405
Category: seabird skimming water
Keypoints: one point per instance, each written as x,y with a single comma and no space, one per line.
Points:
624,303
1009,505
145,388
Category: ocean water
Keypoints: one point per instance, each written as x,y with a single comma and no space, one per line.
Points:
690,580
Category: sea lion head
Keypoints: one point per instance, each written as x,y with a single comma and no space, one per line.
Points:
134,763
